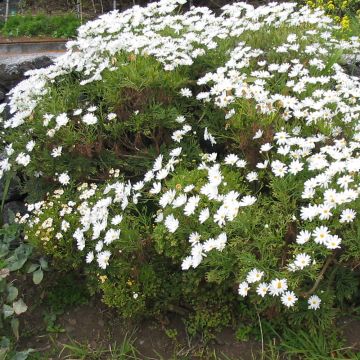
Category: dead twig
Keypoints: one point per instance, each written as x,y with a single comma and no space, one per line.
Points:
328,261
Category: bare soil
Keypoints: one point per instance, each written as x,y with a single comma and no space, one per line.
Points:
98,327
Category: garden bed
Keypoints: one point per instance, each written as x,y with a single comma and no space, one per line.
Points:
91,330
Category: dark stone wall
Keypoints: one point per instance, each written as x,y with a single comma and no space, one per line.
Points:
12,74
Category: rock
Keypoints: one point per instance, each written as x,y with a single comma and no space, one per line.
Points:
11,75
353,69
352,65
357,70
41,62
72,322
12,207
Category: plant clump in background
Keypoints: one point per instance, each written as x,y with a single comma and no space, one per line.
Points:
340,10
57,26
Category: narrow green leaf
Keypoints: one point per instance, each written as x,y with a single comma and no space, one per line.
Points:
5,194
3,353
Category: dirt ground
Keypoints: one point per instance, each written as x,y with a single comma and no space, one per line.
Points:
97,327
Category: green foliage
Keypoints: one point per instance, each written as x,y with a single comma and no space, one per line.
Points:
145,99
311,346
14,256
12,259
243,332
50,320
6,351
57,26
66,291
123,351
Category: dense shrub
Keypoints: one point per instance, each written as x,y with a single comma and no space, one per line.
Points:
58,26
340,10
197,163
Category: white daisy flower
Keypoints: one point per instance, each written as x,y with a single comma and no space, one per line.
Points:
64,179
289,298
254,275
314,302
56,152
171,223
103,259
302,260
277,287
243,289
262,289
347,216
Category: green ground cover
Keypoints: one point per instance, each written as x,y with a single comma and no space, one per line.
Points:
56,26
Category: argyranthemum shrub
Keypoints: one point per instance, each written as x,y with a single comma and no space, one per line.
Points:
197,163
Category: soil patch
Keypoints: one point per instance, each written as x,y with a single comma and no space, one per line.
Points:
95,327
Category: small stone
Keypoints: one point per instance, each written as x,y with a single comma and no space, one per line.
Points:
72,322
69,329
